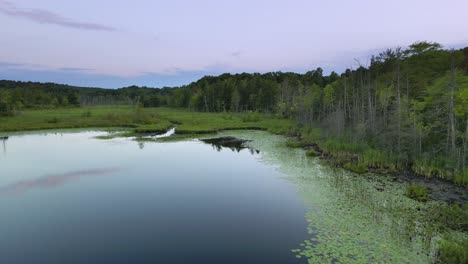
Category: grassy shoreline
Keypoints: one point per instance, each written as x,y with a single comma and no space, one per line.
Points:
141,120
138,121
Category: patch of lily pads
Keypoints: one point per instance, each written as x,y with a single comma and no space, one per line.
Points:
351,218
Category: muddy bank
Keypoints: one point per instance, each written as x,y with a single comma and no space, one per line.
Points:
438,189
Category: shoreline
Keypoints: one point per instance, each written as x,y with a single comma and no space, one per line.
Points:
438,189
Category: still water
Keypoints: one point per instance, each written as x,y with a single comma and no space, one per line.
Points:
67,197
71,198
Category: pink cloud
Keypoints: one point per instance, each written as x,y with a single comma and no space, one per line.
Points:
46,17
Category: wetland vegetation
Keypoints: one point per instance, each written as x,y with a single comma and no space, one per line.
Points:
393,135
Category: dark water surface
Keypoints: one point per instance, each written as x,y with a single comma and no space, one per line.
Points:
71,198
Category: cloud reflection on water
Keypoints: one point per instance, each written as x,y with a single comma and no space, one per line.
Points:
54,180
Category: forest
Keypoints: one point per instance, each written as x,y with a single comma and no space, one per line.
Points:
406,109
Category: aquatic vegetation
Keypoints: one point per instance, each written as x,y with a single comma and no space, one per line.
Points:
355,219
294,144
453,249
357,168
312,153
417,192
429,167
453,217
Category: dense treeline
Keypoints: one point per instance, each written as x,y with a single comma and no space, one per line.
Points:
16,96
408,108
404,109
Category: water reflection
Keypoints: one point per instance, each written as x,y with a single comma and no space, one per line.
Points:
4,139
169,133
141,145
49,181
232,143
174,202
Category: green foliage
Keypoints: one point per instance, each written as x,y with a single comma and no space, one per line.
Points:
87,114
439,166
336,145
311,135
5,109
453,249
141,120
53,120
312,153
251,117
358,168
461,177
454,217
381,160
294,144
417,192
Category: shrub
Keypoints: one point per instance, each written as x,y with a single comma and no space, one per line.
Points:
461,177
251,117
312,153
294,144
429,167
6,109
453,250
380,159
454,217
54,120
227,116
356,168
311,135
87,114
417,192
334,145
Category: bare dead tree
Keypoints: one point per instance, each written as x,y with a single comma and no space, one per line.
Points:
451,103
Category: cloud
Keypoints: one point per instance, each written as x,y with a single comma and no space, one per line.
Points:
46,17
72,69
235,54
10,65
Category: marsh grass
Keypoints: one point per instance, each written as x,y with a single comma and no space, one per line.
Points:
251,117
294,144
417,192
434,167
142,120
453,249
356,168
312,153
461,177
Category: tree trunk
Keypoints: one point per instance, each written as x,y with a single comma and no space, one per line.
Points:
451,103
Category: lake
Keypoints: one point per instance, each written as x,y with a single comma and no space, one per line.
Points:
67,197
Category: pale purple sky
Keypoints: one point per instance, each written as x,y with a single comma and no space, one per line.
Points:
115,43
